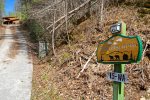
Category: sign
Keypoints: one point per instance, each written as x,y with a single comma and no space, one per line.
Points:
120,49
43,49
118,77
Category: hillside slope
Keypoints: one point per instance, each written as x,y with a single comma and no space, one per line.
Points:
55,78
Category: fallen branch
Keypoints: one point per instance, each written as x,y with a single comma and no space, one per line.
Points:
87,63
80,61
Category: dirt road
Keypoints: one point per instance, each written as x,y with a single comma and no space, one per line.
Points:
15,72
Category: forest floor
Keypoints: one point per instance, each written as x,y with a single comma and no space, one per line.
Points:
55,78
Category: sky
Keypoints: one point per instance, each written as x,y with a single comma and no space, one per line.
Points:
9,6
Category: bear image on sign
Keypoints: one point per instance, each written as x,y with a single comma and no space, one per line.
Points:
120,49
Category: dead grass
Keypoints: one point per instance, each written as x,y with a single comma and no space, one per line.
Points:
43,89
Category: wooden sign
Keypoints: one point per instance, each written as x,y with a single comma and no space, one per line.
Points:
120,49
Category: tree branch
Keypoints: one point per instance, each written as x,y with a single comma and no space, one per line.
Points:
72,11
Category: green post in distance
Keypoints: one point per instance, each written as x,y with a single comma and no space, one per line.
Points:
118,87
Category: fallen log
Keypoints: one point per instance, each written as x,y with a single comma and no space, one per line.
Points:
147,4
144,11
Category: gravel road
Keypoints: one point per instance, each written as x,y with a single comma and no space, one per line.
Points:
15,73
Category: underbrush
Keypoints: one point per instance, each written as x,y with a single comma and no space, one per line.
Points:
35,30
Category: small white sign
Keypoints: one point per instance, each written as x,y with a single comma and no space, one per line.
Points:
43,48
118,77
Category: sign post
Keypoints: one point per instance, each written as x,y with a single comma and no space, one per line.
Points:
118,87
119,50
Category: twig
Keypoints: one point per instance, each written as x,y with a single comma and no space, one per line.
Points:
80,61
86,63
109,65
145,49
137,69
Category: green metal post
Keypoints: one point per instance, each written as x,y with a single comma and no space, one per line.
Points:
118,87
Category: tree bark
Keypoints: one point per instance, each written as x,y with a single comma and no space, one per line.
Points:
53,35
66,18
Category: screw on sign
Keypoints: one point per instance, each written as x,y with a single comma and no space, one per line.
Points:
119,50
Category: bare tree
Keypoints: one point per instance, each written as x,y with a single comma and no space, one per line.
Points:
66,18
53,34
100,13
